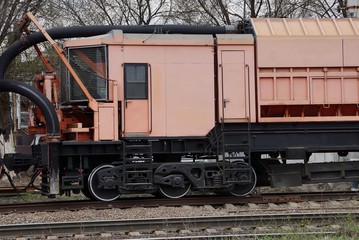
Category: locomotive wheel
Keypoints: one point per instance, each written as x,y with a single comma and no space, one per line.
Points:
174,192
85,191
99,193
240,190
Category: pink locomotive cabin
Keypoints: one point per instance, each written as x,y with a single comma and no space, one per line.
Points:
166,83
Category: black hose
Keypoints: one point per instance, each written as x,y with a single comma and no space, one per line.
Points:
52,121
87,31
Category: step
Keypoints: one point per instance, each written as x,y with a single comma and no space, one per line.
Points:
137,160
73,182
138,150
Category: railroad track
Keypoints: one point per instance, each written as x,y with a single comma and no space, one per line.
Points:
236,222
238,225
190,200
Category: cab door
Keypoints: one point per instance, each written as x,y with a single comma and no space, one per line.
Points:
233,107
136,100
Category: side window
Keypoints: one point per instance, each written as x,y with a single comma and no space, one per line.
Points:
136,80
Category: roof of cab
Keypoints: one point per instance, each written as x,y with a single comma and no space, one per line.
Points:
118,37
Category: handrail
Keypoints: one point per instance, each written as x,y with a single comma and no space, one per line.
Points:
222,91
150,101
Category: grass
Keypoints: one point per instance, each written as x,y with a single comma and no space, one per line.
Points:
344,230
20,182
37,197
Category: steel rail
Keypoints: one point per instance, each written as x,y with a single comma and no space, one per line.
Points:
169,224
190,200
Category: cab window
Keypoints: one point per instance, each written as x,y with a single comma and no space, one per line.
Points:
136,80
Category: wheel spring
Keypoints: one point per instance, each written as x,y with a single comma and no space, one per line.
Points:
209,182
213,179
217,180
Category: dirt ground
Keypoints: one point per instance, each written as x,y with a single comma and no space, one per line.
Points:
320,187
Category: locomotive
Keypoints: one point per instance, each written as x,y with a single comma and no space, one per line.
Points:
167,109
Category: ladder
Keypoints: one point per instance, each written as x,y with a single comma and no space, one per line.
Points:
231,150
137,164
234,152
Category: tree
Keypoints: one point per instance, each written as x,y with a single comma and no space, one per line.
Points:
212,12
10,12
297,8
111,12
225,12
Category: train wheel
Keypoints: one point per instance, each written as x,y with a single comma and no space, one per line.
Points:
85,191
244,189
174,192
99,193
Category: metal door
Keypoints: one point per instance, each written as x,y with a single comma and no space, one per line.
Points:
234,86
136,100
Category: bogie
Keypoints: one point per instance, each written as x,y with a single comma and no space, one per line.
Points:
171,180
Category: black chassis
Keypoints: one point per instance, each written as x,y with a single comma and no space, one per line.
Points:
68,163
